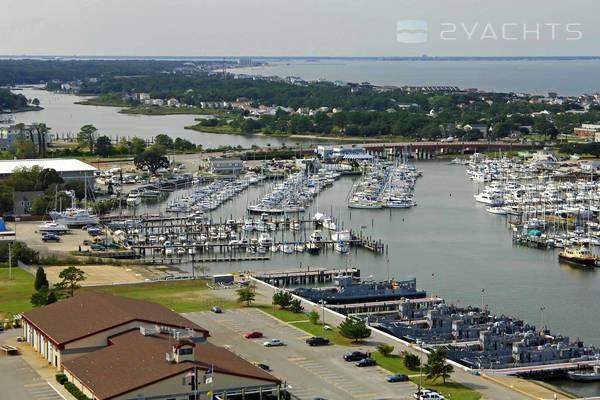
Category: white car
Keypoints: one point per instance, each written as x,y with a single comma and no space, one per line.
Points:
273,342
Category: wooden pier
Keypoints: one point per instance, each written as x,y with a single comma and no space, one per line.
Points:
206,259
310,275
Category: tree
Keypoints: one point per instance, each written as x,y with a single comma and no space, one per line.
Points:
354,329
436,365
385,349
313,317
246,295
137,145
104,146
40,279
47,177
43,297
296,306
41,132
411,361
151,160
87,136
163,140
25,148
283,299
70,280
6,197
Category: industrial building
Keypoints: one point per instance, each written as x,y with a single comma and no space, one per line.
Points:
68,169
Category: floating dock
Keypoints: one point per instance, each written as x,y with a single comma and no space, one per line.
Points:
310,275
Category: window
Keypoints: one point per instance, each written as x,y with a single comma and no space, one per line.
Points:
185,351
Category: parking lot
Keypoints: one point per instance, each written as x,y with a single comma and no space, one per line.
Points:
308,371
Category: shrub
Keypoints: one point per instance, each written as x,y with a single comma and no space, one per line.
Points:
61,378
313,317
296,306
385,349
78,394
411,361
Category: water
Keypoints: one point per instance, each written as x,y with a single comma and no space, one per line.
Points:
569,78
66,118
465,247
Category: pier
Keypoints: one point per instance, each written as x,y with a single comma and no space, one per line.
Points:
304,277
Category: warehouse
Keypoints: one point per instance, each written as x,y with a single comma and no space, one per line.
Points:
68,169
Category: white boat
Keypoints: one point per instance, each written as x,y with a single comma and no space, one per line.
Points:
487,198
287,248
592,375
312,248
299,247
265,239
274,248
341,247
341,235
328,223
316,237
498,210
74,217
53,227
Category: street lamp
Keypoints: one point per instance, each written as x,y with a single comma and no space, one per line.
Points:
323,302
542,309
420,343
482,299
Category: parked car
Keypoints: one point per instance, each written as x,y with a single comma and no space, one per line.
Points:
397,378
263,366
428,394
253,335
97,247
317,341
355,356
366,362
216,310
273,343
46,237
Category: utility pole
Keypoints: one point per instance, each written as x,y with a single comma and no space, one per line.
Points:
482,299
542,309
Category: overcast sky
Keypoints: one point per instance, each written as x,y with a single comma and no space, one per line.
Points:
296,28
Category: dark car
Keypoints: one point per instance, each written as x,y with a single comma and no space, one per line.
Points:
355,356
97,247
397,378
263,366
46,237
317,341
366,362
216,310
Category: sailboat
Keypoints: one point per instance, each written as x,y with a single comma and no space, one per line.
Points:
75,216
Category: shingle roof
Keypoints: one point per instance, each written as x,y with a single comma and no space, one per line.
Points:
134,361
58,164
89,313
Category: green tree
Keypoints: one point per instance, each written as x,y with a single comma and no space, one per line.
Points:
313,317
436,365
6,197
70,280
25,148
411,361
47,177
151,160
246,295
87,136
354,329
283,299
40,279
43,297
163,140
137,145
296,306
42,132
104,146
385,349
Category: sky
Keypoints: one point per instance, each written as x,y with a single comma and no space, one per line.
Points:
349,28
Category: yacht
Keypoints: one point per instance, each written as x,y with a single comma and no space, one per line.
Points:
134,199
341,236
341,246
316,237
580,256
312,248
299,247
287,248
489,198
74,217
592,375
328,223
53,227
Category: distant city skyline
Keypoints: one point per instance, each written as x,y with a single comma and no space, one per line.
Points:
310,28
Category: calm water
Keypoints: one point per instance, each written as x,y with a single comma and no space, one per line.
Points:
65,118
565,77
466,248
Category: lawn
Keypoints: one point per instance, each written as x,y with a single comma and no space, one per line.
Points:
450,390
15,294
180,296
284,315
393,363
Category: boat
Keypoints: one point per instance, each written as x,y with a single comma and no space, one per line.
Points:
134,199
328,223
74,217
341,247
346,291
312,248
580,256
344,235
287,248
498,210
53,227
592,375
316,237
299,247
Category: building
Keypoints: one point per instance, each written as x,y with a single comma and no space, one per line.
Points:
68,169
23,201
113,347
587,130
32,132
225,166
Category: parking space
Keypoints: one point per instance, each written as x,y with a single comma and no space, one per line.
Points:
308,371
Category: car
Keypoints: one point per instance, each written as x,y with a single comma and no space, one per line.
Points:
317,341
263,366
46,237
216,310
397,378
273,343
97,247
253,335
355,356
432,396
423,393
366,362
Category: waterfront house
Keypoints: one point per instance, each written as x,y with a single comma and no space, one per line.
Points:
225,166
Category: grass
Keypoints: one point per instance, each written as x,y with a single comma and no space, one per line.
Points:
180,296
450,390
15,293
333,334
393,363
283,315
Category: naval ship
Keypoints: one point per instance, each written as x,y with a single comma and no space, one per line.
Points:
346,291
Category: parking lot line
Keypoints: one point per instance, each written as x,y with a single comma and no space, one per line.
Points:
28,385
358,396
297,359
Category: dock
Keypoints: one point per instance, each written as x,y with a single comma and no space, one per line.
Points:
310,275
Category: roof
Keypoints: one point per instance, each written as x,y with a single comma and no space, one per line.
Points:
58,164
134,361
91,313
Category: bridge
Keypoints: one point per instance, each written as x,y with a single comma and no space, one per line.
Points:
539,369
427,150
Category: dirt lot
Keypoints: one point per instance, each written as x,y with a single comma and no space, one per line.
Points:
28,232
104,274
